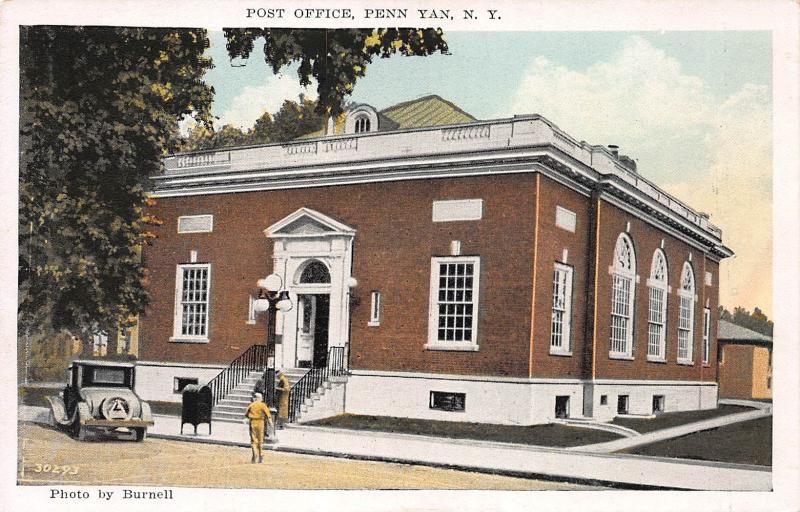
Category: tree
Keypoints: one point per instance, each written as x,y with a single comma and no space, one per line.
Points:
756,321
334,58
295,118
99,108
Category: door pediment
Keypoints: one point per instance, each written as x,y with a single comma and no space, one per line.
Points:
305,223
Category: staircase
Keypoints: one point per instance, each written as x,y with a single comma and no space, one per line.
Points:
232,406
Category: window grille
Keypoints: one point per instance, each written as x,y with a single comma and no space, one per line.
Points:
657,310
622,295
454,288
193,303
686,314
562,309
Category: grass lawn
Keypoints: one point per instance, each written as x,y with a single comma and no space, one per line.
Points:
540,435
673,419
748,442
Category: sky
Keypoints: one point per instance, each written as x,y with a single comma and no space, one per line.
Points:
694,109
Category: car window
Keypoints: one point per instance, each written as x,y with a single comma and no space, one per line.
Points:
108,376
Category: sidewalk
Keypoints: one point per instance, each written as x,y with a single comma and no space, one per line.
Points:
629,471
669,433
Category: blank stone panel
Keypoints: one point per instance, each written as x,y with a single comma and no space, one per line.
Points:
195,224
457,210
565,219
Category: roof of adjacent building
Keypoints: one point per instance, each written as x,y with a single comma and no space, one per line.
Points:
425,112
731,332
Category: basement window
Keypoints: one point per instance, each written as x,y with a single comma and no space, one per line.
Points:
603,399
658,404
622,404
182,382
446,401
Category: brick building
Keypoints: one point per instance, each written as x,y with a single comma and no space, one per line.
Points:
491,271
745,362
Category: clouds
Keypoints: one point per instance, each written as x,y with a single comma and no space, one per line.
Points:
254,100
714,153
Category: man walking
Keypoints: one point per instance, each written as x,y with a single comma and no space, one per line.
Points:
255,414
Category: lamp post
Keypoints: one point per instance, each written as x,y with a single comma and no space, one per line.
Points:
271,299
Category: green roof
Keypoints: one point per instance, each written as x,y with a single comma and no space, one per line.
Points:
425,112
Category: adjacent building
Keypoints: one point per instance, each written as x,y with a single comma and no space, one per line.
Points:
745,362
490,271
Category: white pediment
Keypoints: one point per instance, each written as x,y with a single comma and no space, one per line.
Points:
306,222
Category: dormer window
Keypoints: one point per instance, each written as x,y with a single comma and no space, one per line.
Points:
361,119
362,124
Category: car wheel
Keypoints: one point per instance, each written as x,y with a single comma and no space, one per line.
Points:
139,434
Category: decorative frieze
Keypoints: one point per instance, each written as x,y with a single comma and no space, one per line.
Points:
337,145
466,133
203,159
308,148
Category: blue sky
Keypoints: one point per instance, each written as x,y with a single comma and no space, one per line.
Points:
694,109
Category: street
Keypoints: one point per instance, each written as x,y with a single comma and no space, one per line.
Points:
50,457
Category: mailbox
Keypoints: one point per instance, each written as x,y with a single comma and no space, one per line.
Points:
196,407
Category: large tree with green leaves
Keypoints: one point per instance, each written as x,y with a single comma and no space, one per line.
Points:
336,59
99,108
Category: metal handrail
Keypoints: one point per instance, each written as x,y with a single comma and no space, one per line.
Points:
316,377
253,359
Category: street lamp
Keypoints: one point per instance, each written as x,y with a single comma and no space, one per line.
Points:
271,299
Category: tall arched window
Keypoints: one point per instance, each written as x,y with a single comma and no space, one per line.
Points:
686,316
657,310
622,294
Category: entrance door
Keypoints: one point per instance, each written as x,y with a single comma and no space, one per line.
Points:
313,311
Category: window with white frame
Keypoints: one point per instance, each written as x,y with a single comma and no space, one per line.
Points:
686,315
453,316
375,309
562,309
192,302
622,295
706,335
362,124
657,310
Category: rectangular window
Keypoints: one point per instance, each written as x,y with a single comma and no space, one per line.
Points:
658,404
195,224
622,404
375,309
562,407
192,302
453,319
706,335
685,329
445,401
565,219
562,309
656,319
720,352
621,315
603,399
182,382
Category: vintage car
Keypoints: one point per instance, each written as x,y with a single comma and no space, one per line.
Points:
99,398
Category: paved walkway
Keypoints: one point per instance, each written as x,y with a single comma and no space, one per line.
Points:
504,458
681,430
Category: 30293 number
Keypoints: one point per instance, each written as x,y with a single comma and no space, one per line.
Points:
55,469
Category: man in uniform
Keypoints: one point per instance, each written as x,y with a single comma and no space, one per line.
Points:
255,414
283,389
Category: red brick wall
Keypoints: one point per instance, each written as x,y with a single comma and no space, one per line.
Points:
646,240
392,252
552,242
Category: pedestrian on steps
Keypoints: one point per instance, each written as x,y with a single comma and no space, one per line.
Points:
283,389
256,413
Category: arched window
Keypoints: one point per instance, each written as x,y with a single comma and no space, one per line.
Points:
362,124
315,272
622,295
657,310
686,315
